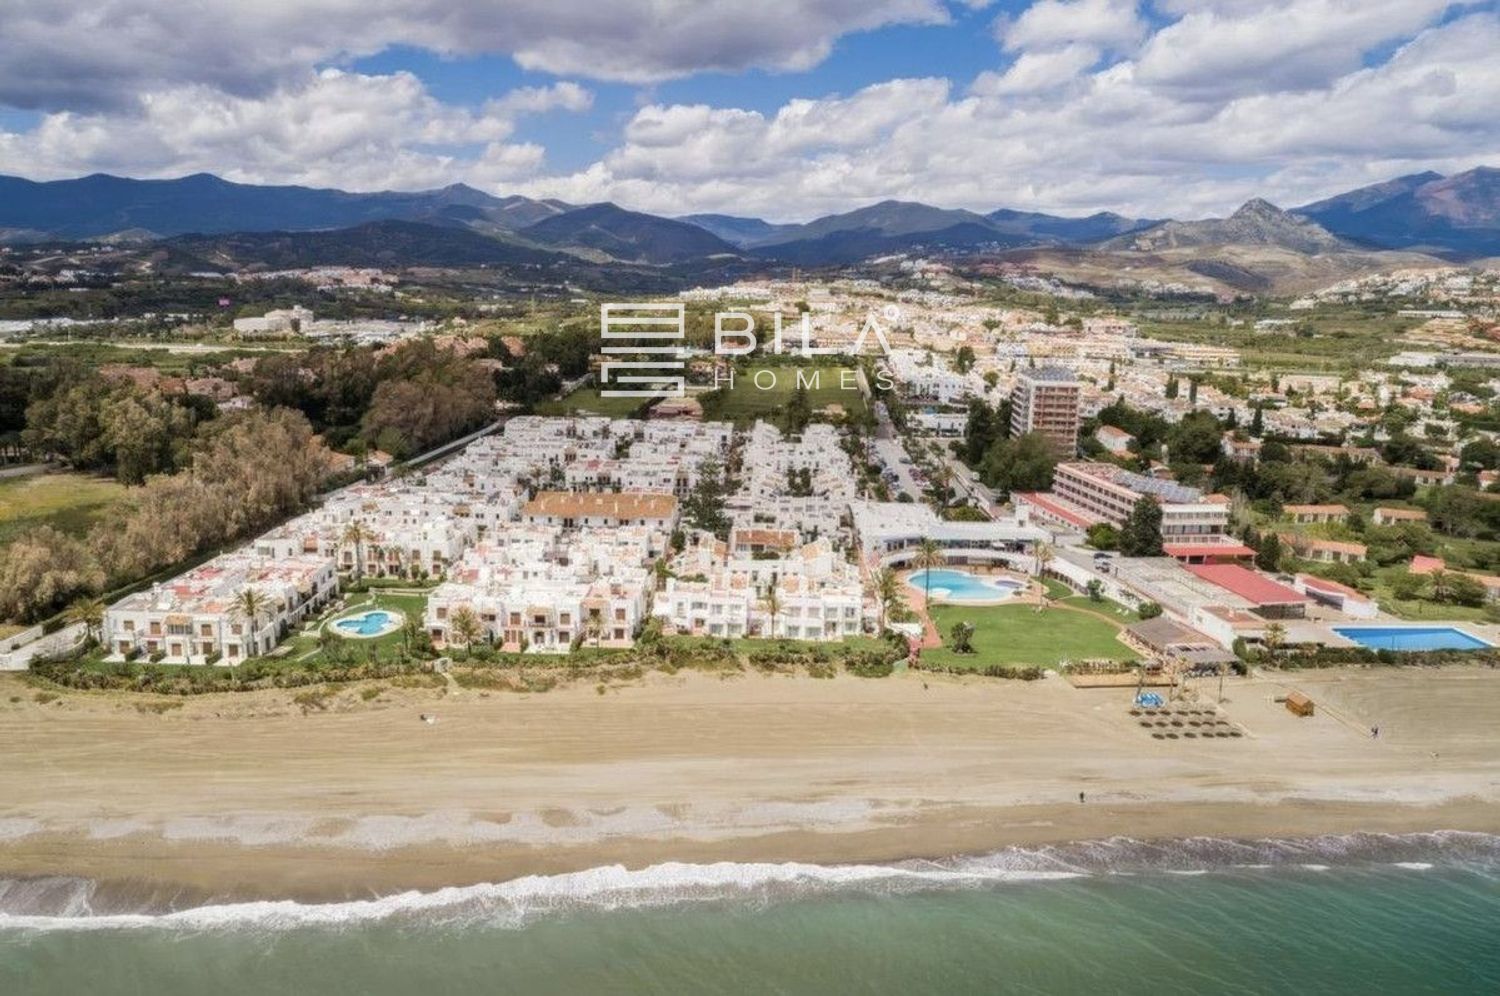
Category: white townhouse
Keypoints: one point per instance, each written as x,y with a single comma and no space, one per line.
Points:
198,617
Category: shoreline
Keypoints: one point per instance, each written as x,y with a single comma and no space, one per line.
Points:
250,796
154,873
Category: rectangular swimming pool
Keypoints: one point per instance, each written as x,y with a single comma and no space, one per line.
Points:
1411,637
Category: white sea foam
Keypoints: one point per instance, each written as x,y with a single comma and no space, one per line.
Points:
513,902
72,904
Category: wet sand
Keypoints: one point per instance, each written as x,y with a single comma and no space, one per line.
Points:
251,795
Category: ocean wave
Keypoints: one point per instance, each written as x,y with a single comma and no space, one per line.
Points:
60,903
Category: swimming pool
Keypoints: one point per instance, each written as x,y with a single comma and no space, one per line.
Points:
961,586
1411,637
366,624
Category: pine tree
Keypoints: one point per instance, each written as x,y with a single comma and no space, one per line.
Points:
1141,536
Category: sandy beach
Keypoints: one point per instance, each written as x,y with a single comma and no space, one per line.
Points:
251,795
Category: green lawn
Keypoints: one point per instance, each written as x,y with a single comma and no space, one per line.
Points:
68,502
1105,607
305,645
751,398
586,400
1019,635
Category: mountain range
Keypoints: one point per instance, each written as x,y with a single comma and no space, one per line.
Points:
223,223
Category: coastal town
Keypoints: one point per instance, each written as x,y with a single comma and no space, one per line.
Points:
963,461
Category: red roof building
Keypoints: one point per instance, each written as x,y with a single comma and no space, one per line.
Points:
1270,598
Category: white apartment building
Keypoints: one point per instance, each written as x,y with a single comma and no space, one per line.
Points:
716,592
199,614
889,533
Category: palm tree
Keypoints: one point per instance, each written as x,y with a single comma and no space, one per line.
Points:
356,533
466,626
942,476
1044,556
90,612
248,606
929,556
772,602
888,592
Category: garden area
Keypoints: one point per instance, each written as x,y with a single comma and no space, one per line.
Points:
69,503
1018,636
747,401
588,401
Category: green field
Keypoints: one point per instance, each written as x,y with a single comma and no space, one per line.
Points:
586,401
761,391
1019,635
68,502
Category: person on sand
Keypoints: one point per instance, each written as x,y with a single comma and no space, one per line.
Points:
1080,798
1374,733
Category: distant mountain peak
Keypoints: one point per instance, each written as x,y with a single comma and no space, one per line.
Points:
1259,207
1257,222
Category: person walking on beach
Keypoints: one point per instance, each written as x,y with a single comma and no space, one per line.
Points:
1374,733
1080,798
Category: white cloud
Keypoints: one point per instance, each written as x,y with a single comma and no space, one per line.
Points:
1106,139
83,54
1221,49
1035,72
1112,24
332,128
1095,109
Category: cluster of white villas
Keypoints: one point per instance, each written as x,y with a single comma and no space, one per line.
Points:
546,537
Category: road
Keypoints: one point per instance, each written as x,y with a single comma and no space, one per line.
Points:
891,453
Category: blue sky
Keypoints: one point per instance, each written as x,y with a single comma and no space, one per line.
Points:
784,108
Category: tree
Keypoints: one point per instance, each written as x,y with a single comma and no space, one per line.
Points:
1103,536
888,593
1148,610
961,638
1275,637
1141,536
356,533
1268,554
90,612
1043,554
248,606
704,508
929,557
43,569
798,411
981,431
770,599
1258,422
1464,590
1095,589
1408,587
1198,438
963,359
1025,463
465,626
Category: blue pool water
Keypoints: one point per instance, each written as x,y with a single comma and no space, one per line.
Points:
963,586
1411,637
367,624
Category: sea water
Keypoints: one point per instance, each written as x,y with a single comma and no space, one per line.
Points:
1356,914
